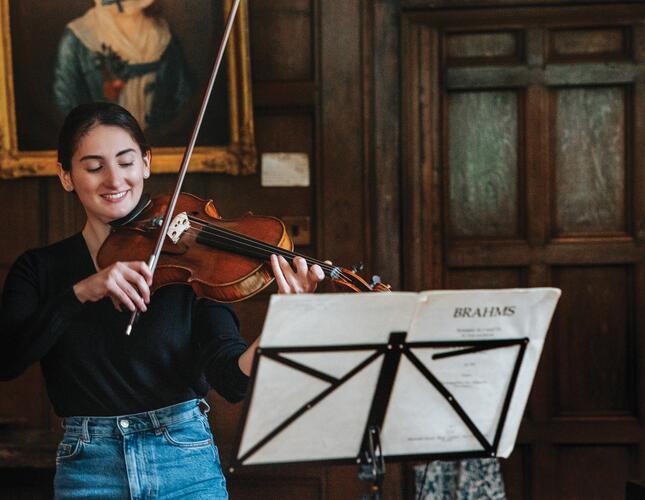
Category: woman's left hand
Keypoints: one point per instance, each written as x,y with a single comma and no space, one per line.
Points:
297,279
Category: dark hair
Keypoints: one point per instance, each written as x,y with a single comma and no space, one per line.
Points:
84,117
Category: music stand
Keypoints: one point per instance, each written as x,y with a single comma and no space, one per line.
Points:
359,378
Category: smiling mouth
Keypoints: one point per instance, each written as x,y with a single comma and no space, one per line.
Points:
114,196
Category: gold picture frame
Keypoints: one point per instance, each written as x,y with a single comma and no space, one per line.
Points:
237,158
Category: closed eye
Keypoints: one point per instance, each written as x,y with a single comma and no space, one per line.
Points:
126,164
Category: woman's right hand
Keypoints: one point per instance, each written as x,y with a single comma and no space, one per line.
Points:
126,283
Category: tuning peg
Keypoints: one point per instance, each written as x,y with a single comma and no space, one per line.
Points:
376,279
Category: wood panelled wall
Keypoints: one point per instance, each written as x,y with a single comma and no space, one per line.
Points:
313,75
327,81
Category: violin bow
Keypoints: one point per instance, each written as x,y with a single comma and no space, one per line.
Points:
188,152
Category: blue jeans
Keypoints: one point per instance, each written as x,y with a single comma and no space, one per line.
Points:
165,453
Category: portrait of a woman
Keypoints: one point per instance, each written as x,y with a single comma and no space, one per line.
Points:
122,52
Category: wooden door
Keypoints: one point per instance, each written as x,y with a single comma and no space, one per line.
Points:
524,134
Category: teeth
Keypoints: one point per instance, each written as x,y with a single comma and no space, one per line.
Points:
114,196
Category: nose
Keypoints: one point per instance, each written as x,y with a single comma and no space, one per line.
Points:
111,177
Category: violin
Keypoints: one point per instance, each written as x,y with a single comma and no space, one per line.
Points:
221,259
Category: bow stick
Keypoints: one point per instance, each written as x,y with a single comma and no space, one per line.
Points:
152,261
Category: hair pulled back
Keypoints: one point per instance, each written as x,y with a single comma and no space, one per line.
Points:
84,117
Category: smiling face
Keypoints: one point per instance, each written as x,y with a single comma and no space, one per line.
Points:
107,173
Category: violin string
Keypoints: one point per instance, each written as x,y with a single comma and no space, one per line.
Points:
217,240
257,245
260,245
264,250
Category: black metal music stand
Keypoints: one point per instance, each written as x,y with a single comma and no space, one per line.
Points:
304,432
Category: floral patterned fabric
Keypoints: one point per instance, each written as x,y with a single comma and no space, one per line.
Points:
460,480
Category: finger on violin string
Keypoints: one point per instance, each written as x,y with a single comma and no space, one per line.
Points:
300,265
316,273
290,275
283,286
293,276
284,265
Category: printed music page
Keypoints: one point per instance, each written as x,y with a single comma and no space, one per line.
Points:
321,357
419,419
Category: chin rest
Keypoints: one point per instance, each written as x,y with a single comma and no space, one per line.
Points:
144,201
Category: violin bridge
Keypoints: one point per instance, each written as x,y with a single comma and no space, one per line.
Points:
179,225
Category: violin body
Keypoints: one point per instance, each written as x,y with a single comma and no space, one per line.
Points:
212,272
226,260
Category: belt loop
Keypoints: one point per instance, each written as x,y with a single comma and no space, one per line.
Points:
85,433
155,422
204,407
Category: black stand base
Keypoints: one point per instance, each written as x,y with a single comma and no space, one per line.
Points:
372,465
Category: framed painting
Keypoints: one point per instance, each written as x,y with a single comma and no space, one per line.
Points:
154,57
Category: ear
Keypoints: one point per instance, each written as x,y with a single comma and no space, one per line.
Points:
65,177
147,158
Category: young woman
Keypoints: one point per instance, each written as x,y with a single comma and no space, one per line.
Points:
133,408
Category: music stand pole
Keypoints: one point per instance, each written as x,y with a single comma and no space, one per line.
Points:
374,469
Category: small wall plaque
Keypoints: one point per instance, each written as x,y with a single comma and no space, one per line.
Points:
285,169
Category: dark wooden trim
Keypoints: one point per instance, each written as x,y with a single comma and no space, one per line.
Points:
341,183
637,145
284,95
421,164
639,353
584,430
471,4
317,174
367,83
553,75
536,124
518,254
386,112
410,153
528,15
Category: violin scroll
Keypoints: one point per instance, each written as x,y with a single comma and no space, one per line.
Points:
350,281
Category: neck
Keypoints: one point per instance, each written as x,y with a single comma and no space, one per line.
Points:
95,233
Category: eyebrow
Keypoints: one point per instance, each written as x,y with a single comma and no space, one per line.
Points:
99,157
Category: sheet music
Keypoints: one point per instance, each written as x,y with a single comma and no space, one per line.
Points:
419,419
474,379
336,318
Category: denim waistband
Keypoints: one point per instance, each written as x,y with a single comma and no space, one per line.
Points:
136,422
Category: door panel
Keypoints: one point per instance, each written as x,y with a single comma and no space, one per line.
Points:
523,161
483,158
589,159
594,342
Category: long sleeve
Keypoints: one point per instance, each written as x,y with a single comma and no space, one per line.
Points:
30,323
216,336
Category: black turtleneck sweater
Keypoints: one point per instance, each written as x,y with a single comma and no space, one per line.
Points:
178,349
